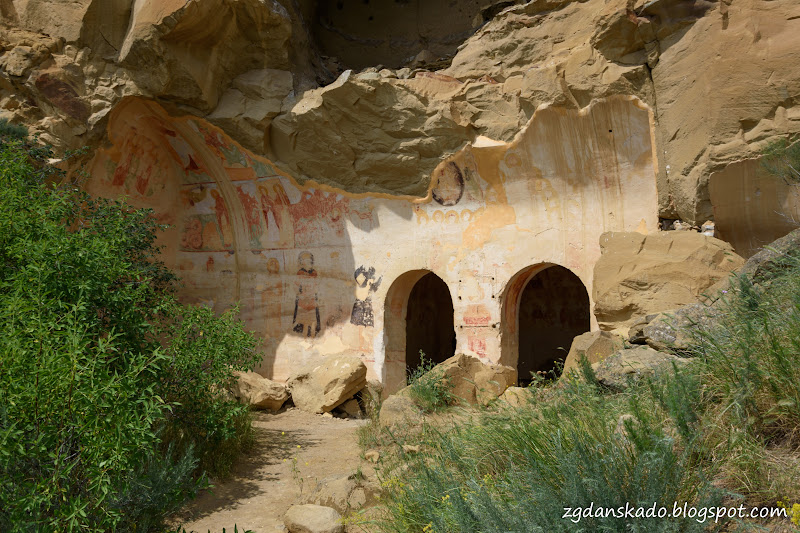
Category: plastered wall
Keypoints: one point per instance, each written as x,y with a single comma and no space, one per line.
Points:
320,271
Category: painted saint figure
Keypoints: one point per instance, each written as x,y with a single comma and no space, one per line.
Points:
306,305
221,212
272,298
362,314
277,218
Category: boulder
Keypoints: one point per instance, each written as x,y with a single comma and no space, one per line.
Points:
327,383
636,331
492,382
670,331
594,345
371,396
344,493
644,274
399,410
771,260
632,364
373,456
473,381
259,392
517,396
311,518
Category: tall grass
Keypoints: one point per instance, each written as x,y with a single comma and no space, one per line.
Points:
749,364
724,429
518,470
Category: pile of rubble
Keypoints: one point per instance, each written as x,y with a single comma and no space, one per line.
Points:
333,385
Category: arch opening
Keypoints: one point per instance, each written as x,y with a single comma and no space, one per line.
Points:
546,307
418,316
429,322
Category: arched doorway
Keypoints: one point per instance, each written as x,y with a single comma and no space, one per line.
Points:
429,322
418,316
545,307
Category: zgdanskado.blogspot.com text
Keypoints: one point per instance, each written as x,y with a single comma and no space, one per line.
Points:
677,510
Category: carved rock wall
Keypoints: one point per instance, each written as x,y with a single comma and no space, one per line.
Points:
317,197
316,269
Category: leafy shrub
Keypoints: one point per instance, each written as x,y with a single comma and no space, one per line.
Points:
100,369
78,290
12,130
430,389
203,352
156,487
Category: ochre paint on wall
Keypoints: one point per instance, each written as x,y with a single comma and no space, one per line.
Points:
311,266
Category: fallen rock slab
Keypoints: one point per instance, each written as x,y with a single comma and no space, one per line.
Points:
671,331
326,383
594,345
628,364
399,410
311,518
345,493
259,392
645,274
473,381
517,396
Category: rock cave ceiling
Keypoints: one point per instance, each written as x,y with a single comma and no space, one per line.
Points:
392,33
298,81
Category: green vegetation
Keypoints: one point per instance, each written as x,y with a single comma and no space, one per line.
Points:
749,364
516,470
429,388
12,130
782,159
112,396
722,430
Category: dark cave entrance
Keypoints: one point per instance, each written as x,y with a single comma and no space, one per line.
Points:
366,33
429,322
553,309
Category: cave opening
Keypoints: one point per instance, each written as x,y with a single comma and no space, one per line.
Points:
553,309
356,34
429,322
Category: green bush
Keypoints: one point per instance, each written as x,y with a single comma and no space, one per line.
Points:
430,389
12,130
100,370
203,352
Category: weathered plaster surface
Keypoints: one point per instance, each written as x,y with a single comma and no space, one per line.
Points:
319,271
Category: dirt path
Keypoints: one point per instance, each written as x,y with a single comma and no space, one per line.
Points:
293,450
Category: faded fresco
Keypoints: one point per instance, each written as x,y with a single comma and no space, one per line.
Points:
363,314
312,268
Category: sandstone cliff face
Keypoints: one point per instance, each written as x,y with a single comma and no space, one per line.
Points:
317,195
721,78
67,64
